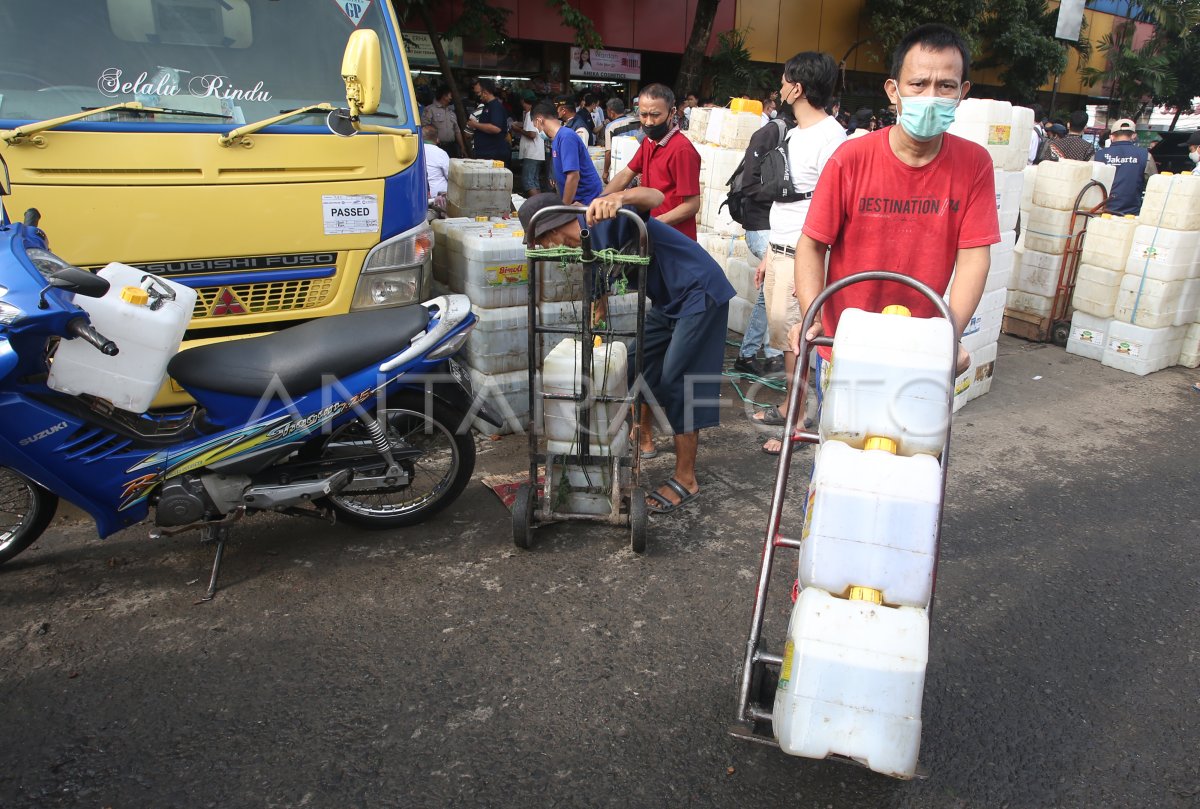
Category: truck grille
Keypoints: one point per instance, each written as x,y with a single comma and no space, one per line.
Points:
255,298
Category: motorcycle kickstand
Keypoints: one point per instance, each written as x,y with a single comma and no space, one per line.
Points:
217,534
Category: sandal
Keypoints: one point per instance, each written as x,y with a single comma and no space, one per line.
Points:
662,505
771,417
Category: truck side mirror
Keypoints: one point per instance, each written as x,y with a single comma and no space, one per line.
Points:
362,73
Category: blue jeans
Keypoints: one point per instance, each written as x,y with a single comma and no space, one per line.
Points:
756,329
531,174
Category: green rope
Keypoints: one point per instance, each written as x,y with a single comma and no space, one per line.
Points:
608,255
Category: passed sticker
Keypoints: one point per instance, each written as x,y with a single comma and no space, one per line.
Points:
354,9
350,213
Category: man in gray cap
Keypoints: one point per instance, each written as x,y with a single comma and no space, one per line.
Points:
685,329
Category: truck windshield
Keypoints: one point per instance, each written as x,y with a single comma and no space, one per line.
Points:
238,61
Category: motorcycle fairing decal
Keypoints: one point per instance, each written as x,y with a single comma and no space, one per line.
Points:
274,432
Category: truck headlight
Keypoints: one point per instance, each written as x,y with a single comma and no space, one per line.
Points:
387,289
394,272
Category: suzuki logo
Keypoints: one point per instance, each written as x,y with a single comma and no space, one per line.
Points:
227,304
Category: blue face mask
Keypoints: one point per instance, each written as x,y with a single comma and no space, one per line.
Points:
545,137
926,117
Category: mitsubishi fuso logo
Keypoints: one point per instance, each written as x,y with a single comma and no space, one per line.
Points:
227,304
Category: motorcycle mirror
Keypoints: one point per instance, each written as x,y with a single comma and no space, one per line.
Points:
81,282
339,123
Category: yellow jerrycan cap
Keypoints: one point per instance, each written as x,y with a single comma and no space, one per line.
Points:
866,594
879,442
135,295
897,309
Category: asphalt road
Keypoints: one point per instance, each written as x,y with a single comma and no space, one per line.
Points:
441,667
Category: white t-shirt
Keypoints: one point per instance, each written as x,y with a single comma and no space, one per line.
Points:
437,168
531,148
808,150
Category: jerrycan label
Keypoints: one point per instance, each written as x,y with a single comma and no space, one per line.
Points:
999,134
1082,335
785,669
500,275
1127,348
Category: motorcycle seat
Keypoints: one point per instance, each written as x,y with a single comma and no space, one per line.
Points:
301,357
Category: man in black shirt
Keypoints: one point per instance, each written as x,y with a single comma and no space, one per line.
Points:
490,125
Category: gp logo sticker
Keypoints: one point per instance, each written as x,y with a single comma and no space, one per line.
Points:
354,9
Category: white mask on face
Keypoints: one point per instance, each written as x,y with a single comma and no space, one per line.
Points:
1195,156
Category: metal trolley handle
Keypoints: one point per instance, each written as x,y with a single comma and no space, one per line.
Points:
747,712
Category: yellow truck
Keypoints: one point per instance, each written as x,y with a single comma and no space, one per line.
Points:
266,153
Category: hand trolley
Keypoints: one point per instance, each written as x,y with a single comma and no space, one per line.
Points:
1056,327
627,498
760,668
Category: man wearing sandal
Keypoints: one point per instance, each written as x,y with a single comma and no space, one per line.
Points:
807,87
684,335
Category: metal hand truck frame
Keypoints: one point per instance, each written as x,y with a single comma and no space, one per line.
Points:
759,674
628,499
1056,327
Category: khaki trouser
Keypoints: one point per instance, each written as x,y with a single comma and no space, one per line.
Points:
779,288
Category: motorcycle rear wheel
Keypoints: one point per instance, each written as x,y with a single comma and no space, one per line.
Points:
436,478
25,511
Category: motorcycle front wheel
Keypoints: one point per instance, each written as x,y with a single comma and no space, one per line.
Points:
25,511
436,476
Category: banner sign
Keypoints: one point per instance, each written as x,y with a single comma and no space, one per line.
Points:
419,48
598,64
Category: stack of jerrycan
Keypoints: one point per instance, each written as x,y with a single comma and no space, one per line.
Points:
484,259
853,671
1004,131
479,188
1159,295
1098,282
586,488
1047,231
739,264
1137,293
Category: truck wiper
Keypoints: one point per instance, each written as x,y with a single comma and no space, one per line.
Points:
236,135
167,111
29,132
372,115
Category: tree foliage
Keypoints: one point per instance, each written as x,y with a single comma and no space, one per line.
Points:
890,20
1136,75
732,73
1017,37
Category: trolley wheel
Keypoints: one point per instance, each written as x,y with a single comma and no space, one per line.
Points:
522,517
1060,333
639,517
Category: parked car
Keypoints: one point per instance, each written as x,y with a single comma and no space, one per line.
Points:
1171,153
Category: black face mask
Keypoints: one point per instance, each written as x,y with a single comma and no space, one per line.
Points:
658,131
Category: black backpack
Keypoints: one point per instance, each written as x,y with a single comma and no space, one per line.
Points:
775,181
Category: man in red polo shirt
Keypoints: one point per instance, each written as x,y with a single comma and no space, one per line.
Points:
667,161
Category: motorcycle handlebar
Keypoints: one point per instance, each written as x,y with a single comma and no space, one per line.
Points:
84,331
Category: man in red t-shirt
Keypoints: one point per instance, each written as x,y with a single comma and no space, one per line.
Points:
667,161
909,199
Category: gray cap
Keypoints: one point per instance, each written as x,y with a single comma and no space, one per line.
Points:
549,221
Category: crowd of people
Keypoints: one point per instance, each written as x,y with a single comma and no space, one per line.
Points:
822,196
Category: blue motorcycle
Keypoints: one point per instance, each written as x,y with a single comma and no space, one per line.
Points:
364,416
